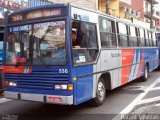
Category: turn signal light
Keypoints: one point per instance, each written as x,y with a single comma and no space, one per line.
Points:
70,87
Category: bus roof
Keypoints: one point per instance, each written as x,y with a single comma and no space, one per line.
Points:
113,17
80,8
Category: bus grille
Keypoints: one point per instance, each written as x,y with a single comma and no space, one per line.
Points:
38,79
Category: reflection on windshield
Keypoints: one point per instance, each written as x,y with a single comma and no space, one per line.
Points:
49,43
1,45
18,45
46,44
1,52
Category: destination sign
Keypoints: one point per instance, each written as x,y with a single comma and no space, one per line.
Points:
43,13
20,28
40,13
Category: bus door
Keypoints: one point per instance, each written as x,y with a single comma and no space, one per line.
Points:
84,58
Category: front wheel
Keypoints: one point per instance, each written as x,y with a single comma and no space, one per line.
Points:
145,76
100,93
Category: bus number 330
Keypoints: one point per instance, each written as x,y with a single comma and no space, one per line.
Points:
63,70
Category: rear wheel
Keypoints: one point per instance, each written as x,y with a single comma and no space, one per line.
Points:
145,76
100,93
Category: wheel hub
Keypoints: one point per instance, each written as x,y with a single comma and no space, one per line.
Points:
101,91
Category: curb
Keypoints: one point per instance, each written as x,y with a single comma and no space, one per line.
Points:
4,100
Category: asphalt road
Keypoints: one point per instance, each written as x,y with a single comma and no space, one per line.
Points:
117,100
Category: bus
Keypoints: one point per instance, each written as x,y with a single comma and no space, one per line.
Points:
41,64
158,38
1,55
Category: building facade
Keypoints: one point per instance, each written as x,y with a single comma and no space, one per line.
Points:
119,8
8,6
89,4
144,7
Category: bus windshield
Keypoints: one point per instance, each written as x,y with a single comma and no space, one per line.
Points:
37,44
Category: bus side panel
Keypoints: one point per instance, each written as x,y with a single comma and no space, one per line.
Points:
141,64
127,59
156,61
132,63
151,56
84,84
138,56
109,63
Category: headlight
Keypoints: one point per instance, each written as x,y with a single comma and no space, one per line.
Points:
12,84
61,87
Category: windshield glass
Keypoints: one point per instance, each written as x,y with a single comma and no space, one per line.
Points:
18,45
49,43
44,46
1,45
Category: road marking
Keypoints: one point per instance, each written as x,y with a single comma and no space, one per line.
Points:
149,100
136,100
135,88
155,88
157,105
3,100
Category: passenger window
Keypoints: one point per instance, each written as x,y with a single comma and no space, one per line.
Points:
107,33
149,38
154,39
122,35
87,35
146,38
133,37
141,40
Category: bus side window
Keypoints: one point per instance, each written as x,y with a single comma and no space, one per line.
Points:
133,37
154,39
107,33
146,38
141,41
122,35
149,38
89,44
158,39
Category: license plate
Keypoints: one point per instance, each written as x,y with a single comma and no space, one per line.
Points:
55,99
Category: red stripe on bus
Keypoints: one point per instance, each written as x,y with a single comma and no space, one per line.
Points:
127,59
15,69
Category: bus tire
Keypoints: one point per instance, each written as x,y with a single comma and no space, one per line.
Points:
100,93
145,76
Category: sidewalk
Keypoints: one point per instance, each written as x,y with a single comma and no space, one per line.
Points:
2,99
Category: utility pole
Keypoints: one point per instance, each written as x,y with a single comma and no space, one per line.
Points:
151,18
107,6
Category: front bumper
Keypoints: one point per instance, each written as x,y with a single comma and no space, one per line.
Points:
54,99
